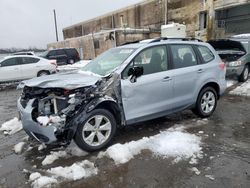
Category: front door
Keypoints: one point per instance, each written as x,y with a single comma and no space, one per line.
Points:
150,96
10,70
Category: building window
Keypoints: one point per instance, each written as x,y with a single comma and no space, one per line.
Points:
96,44
203,20
221,23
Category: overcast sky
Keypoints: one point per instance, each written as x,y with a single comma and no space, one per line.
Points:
30,23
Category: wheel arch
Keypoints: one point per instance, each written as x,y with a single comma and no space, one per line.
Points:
112,107
213,85
39,72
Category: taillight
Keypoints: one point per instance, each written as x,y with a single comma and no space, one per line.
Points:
222,65
53,62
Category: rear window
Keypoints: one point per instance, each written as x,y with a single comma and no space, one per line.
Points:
206,54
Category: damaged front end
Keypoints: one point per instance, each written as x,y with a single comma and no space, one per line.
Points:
48,114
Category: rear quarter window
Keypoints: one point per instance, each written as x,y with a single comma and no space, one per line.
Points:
206,53
29,60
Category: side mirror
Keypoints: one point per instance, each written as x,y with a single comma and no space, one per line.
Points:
135,72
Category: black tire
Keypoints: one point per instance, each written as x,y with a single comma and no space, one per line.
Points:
244,75
198,110
43,73
79,136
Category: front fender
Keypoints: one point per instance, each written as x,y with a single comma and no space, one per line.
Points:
81,115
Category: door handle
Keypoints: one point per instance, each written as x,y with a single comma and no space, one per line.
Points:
200,71
166,79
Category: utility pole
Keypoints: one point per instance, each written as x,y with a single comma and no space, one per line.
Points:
166,12
55,24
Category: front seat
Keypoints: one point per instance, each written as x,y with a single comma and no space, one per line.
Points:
155,63
187,60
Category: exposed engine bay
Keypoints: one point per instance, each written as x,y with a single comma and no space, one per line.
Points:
55,106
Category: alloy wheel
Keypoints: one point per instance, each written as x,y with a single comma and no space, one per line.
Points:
208,102
96,130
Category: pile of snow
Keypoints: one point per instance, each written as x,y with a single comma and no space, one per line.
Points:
75,66
39,181
12,126
49,159
231,83
74,172
18,148
242,90
171,143
74,150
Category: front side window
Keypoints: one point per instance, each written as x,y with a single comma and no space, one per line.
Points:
153,60
108,61
9,62
183,55
206,54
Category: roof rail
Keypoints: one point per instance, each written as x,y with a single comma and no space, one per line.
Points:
132,42
183,39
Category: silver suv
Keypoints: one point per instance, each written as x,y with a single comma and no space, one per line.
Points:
125,85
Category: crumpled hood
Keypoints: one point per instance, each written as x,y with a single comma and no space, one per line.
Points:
69,80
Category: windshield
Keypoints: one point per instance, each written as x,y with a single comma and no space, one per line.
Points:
246,46
108,61
44,54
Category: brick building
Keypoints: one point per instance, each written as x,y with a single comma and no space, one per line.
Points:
205,19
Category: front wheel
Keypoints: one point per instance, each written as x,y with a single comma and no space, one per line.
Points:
96,131
206,102
244,75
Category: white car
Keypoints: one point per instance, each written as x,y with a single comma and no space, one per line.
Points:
22,67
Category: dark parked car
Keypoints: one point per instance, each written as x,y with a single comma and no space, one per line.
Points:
63,56
235,52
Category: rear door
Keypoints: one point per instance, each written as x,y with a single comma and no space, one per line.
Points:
29,67
10,69
150,96
186,70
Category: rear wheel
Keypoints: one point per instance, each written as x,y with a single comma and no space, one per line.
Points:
244,75
96,131
43,73
206,102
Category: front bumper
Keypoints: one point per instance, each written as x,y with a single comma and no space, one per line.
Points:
33,129
234,71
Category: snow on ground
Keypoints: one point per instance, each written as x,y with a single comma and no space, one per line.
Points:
242,90
75,66
39,181
54,155
76,171
11,127
170,143
18,148
195,170
231,83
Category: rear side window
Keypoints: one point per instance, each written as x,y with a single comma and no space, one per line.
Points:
71,52
10,62
206,54
183,55
60,52
29,60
